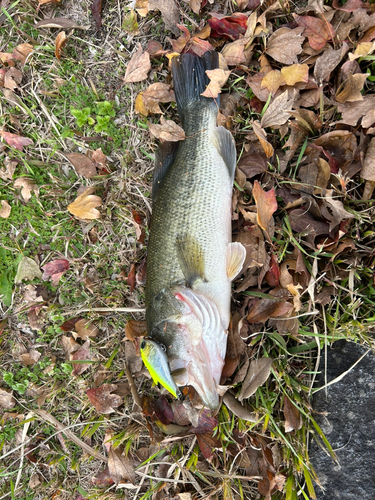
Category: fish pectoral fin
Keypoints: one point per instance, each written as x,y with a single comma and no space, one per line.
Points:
225,145
236,254
191,258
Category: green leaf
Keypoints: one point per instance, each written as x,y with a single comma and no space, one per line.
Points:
105,108
27,269
81,115
6,288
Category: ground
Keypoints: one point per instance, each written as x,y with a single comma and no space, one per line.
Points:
75,194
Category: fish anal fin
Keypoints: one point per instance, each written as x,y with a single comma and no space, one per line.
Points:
191,258
236,254
164,159
225,145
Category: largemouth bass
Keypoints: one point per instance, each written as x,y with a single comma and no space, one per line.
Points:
191,260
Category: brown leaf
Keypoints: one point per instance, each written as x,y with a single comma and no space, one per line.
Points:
138,67
55,269
15,141
84,205
26,186
268,308
278,111
30,358
273,80
148,101
195,6
363,49
259,371
318,31
5,209
168,130
266,205
7,400
295,73
262,136
169,12
293,419
27,269
96,10
68,326
131,278
135,329
83,354
103,479
59,22
285,44
234,53
352,88
303,222
60,42
103,400
349,6
21,52
368,170
12,78
120,467
240,411
207,443
82,164
352,112
206,423
218,78
327,62
69,346
85,329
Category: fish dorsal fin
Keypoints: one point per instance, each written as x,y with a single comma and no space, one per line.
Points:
164,158
225,145
236,254
191,258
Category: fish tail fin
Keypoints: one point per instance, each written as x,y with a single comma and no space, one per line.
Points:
190,80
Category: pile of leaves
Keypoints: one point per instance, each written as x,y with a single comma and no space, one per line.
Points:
295,89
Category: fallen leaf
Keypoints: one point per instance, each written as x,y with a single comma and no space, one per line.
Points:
131,278
130,23
7,400
59,22
195,6
12,78
295,73
169,13
103,479
82,164
349,6
30,358
363,49
69,325
16,141
148,101
120,466
353,111
102,399
85,329
180,413
318,31
352,89
266,205
265,309
273,80
168,130
138,67
231,27
60,42
135,329
278,111
84,205
5,209
234,53
26,186
303,222
69,346
205,423
99,158
240,411
163,410
21,52
27,269
259,371
207,443
327,62
285,44
218,78
55,269
83,354
96,10
262,136
368,170
293,419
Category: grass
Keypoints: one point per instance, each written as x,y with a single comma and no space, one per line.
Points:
62,102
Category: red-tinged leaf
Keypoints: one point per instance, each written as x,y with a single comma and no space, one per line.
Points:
131,278
155,48
206,423
103,400
293,419
140,276
139,229
265,309
318,31
181,42
103,480
120,466
266,205
54,270
207,443
68,326
96,10
148,404
199,46
349,6
163,410
83,354
228,26
273,274
15,141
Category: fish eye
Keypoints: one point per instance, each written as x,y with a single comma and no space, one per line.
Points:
143,344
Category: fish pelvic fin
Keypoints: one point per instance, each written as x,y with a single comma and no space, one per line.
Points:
191,258
236,255
226,147
190,80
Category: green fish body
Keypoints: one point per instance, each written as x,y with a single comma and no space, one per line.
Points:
191,260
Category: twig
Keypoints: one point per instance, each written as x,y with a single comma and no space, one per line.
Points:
105,309
133,387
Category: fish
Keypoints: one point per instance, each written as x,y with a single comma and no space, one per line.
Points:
155,359
191,260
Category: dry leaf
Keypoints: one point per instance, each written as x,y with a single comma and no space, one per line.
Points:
55,269
266,205
265,309
7,400
134,329
85,329
27,269
240,411
259,371
14,140
26,186
218,78
148,101
82,164
12,78
363,49
295,73
138,67
368,170
96,10
318,31
60,42
84,205
293,419
21,52
327,62
169,13
69,346
285,44
278,111
262,136
234,53
168,130
83,354
5,209
103,400
273,80
352,89
352,112
120,466
30,358
59,22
